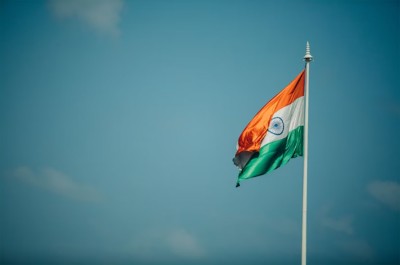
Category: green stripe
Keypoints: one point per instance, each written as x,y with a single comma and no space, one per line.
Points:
274,155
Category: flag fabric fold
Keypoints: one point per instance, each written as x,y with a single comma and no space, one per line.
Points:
274,135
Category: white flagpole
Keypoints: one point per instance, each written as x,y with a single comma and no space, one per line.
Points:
308,59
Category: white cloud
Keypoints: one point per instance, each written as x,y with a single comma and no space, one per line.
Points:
386,192
100,15
357,248
157,244
184,244
342,224
57,182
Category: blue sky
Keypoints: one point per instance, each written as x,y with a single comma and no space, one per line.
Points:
119,122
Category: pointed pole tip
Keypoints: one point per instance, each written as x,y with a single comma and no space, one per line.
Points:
308,57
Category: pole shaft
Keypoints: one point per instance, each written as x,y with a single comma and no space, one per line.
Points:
308,59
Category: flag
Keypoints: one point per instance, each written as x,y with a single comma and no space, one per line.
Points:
274,135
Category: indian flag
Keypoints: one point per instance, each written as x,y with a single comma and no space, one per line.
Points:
274,135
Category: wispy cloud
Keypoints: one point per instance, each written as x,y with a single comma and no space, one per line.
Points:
100,15
184,244
358,248
156,244
386,192
57,182
346,240
342,224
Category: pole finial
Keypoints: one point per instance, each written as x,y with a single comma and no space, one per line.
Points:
308,57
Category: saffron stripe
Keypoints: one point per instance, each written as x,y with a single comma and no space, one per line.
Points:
255,131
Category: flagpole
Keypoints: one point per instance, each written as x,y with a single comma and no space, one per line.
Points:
308,59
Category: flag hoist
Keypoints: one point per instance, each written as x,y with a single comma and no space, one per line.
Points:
277,133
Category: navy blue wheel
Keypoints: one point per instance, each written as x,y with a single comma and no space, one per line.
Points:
276,126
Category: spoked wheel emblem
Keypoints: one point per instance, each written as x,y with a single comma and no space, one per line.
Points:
276,126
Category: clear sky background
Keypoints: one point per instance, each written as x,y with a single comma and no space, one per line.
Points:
119,121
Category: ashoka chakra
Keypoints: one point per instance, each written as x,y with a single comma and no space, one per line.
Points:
276,126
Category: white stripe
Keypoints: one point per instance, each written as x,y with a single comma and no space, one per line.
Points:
292,116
